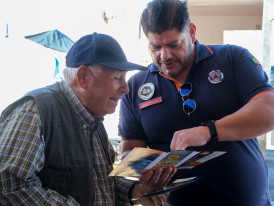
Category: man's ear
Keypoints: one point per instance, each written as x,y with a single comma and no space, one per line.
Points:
192,30
82,75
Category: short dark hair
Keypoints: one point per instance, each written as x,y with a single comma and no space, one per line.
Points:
162,15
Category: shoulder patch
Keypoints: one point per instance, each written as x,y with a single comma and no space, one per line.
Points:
255,60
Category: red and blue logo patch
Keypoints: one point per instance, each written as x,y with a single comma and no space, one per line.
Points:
215,77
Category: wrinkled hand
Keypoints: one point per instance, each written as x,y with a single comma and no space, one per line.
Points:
151,181
196,136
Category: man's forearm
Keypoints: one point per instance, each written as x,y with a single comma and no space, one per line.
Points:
254,119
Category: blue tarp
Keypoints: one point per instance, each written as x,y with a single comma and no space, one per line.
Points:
53,39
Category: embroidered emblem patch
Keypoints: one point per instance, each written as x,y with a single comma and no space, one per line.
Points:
146,91
215,77
255,60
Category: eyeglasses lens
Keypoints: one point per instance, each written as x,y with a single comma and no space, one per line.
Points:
185,89
189,105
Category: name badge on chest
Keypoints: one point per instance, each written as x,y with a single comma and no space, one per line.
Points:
145,92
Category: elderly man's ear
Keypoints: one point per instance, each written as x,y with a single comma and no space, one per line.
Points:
82,76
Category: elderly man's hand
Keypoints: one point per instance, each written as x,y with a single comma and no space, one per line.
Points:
150,181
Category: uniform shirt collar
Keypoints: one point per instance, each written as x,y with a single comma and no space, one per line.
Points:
203,52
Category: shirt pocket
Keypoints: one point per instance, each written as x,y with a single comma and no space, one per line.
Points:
61,179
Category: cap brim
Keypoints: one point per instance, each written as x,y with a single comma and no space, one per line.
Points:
123,66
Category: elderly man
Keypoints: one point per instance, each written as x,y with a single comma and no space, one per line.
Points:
54,149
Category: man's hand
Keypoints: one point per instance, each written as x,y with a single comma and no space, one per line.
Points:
196,136
151,181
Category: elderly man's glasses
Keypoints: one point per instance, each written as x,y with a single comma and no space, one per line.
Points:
189,105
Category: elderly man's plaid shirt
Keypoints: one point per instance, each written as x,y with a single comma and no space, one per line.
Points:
22,156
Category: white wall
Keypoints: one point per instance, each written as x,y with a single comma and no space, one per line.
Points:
210,28
249,39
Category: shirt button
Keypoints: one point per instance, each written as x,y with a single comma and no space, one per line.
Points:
84,127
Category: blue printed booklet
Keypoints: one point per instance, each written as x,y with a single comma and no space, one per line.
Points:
171,187
141,159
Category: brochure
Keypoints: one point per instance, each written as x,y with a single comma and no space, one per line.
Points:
171,187
141,159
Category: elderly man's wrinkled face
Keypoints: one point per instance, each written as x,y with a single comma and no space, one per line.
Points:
104,90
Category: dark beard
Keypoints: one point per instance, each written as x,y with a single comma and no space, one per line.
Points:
187,63
189,60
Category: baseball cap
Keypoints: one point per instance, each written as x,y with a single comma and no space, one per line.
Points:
99,49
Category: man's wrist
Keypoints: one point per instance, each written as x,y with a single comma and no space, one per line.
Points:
212,129
130,193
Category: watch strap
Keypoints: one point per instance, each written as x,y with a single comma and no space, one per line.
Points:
212,129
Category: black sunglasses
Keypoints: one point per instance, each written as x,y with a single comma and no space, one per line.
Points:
189,105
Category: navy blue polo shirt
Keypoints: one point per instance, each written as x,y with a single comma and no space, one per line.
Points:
155,120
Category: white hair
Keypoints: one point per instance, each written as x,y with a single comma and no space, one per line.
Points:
96,69
70,73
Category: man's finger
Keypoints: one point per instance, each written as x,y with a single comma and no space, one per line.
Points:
171,174
165,176
145,178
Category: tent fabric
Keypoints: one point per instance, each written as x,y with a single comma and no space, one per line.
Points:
57,73
53,39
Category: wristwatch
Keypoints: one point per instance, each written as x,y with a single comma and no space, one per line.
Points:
212,129
130,194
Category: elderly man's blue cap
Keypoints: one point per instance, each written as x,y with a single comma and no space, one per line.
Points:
99,49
